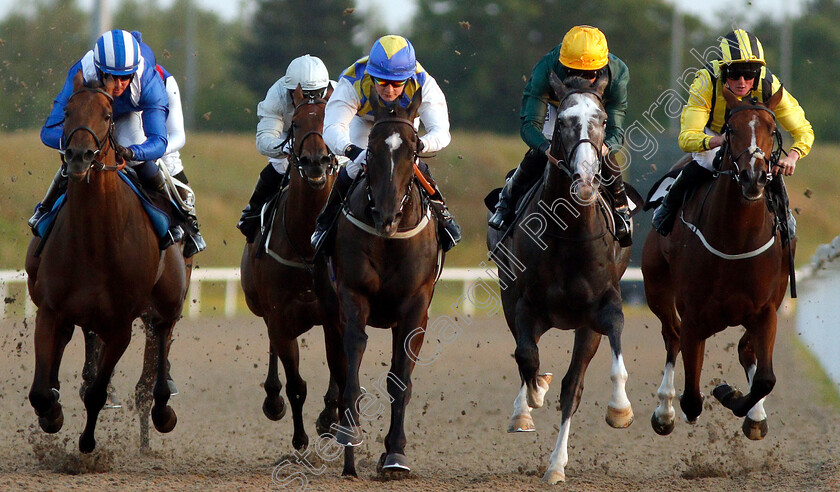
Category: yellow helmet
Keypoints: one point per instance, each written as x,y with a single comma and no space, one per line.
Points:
739,46
584,48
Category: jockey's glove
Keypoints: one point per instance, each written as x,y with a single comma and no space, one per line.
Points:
353,151
125,153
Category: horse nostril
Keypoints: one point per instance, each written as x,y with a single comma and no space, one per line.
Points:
744,176
68,154
325,160
89,155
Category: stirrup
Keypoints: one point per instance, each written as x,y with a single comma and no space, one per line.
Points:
173,235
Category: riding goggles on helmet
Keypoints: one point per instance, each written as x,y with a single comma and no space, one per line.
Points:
392,83
748,71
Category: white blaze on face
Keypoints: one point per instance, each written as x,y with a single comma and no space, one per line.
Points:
393,142
753,150
585,160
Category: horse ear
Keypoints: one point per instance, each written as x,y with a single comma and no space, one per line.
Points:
775,99
329,92
414,106
375,102
557,85
600,84
297,95
78,80
731,99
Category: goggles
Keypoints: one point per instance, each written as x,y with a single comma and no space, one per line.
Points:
392,83
748,73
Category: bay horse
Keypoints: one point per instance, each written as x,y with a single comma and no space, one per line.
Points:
561,266
386,260
278,282
724,264
100,269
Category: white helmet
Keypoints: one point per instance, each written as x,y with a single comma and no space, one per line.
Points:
308,71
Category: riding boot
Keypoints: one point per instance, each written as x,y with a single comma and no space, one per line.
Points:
531,167
325,221
448,230
57,187
194,243
621,211
155,186
665,214
268,183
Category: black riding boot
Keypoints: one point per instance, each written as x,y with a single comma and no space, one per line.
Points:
194,243
621,211
268,183
531,168
57,187
448,230
664,215
156,189
326,219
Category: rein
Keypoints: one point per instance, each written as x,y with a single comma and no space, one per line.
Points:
293,155
404,121
564,162
100,144
750,151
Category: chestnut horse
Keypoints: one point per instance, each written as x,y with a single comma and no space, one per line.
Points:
278,281
100,269
724,264
386,260
561,266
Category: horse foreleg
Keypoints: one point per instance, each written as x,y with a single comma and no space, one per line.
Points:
664,417
274,407
337,362
586,344
51,337
611,321
97,392
163,416
355,310
693,349
521,420
143,388
288,351
762,337
527,354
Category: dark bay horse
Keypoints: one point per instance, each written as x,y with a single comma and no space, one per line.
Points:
561,266
386,258
724,264
278,282
100,269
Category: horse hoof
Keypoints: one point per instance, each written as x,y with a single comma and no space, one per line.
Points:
553,477
395,464
619,418
323,425
754,430
300,443
660,428
87,444
54,422
725,394
535,399
521,423
349,436
274,408
165,419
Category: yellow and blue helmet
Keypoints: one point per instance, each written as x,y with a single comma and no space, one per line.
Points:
117,52
391,58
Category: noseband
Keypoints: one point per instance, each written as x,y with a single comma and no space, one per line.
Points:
564,163
100,143
297,144
753,152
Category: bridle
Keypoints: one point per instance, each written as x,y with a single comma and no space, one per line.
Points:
100,143
751,152
297,143
416,155
564,163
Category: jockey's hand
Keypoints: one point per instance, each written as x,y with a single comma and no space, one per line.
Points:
125,153
787,164
716,142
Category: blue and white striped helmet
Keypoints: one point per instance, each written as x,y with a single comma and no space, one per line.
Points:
117,53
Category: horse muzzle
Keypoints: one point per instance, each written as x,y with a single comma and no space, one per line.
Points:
387,226
753,184
78,162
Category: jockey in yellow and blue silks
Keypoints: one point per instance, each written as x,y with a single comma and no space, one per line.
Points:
583,53
393,72
742,70
140,107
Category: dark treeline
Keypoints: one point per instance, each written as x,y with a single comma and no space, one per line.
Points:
480,52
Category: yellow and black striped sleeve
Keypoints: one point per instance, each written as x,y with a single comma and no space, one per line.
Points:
791,117
695,114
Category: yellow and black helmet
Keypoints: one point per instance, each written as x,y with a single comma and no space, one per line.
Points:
584,48
739,46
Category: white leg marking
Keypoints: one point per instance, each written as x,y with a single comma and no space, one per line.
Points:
556,471
536,397
618,375
756,413
666,393
521,420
